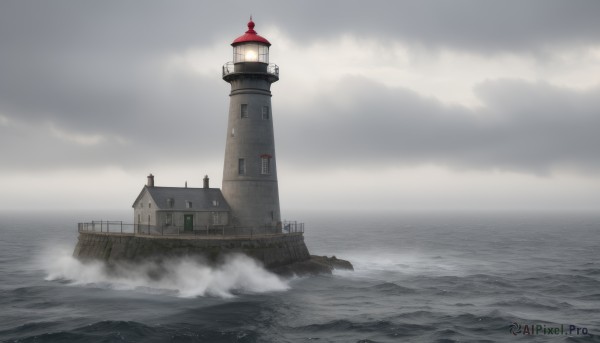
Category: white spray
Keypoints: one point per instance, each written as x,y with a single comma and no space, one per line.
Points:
184,277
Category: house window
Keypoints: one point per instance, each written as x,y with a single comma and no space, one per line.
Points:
139,218
241,166
188,204
169,219
265,113
244,111
170,202
215,218
215,203
265,164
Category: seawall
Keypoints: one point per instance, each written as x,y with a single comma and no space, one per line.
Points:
273,251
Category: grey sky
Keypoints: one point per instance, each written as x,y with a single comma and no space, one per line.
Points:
464,86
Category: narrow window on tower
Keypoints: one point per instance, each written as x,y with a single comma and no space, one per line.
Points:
265,164
244,111
241,166
265,113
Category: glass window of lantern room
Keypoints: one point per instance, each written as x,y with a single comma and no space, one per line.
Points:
238,54
246,53
250,52
263,54
243,53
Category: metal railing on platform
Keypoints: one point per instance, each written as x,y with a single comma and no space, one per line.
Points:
120,228
105,226
293,226
229,68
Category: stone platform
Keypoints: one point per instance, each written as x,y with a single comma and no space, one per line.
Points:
284,254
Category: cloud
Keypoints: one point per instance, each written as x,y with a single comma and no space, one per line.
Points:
523,126
112,90
127,84
151,26
67,120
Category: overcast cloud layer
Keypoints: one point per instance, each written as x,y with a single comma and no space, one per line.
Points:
464,85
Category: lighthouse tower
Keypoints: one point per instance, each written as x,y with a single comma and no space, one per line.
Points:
249,172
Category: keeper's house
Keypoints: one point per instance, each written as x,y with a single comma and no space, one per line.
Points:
180,209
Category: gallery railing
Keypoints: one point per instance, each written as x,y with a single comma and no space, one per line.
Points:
229,68
118,227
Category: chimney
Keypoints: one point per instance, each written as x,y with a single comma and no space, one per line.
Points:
186,184
205,182
150,180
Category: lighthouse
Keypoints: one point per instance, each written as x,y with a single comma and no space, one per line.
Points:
250,166
243,216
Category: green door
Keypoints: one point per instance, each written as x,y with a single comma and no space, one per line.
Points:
188,222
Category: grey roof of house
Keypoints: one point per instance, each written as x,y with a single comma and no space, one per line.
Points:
201,198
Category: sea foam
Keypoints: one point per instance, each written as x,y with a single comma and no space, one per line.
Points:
183,277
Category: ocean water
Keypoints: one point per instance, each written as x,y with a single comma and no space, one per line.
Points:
420,277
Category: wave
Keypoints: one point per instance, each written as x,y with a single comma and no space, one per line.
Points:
525,302
376,330
489,321
595,297
182,277
130,331
369,326
391,288
28,328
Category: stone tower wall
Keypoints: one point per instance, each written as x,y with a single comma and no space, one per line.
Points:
252,196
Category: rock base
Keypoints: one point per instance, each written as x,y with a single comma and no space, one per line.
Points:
272,251
285,255
313,266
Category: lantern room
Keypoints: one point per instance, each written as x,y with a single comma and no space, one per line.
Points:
250,47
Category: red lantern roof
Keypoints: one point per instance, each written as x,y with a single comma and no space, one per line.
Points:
250,36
